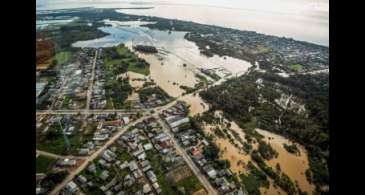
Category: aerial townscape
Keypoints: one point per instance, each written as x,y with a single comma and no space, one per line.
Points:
132,104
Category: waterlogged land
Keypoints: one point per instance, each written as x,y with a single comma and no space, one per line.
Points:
188,61
292,165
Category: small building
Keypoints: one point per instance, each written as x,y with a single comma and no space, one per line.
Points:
195,151
71,187
133,165
104,175
146,188
151,176
84,151
92,168
148,146
210,171
125,120
66,162
81,179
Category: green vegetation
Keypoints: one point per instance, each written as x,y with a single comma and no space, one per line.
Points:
280,179
63,57
125,60
78,30
187,89
52,179
208,117
243,102
202,78
266,151
254,180
145,48
44,164
53,140
117,92
293,148
212,75
218,132
251,184
296,67
159,170
189,184
211,152
146,93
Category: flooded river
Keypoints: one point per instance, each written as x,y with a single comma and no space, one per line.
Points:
177,61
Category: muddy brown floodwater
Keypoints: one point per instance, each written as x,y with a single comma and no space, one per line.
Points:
292,165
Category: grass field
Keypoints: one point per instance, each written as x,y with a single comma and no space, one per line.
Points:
190,184
44,164
251,183
129,58
57,144
63,57
296,67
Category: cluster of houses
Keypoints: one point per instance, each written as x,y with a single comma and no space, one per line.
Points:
98,98
137,167
154,100
106,126
194,143
111,175
73,80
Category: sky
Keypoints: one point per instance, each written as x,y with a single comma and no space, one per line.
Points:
306,20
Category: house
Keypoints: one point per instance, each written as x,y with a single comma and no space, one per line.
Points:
125,120
92,168
145,165
71,187
133,165
66,162
146,188
100,137
137,174
124,165
106,155
81,179
142,156
195,151
210,171
104,175
156,187
148,146
84,151
151,176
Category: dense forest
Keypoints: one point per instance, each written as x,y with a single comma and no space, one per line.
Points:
253,97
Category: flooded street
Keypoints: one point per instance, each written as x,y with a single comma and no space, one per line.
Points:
197,105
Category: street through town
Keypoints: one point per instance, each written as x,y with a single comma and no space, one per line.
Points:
146,114
202,178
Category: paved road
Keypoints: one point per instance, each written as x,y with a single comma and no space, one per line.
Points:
84,111
202,178
93,156
156,110
91,82
44,153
